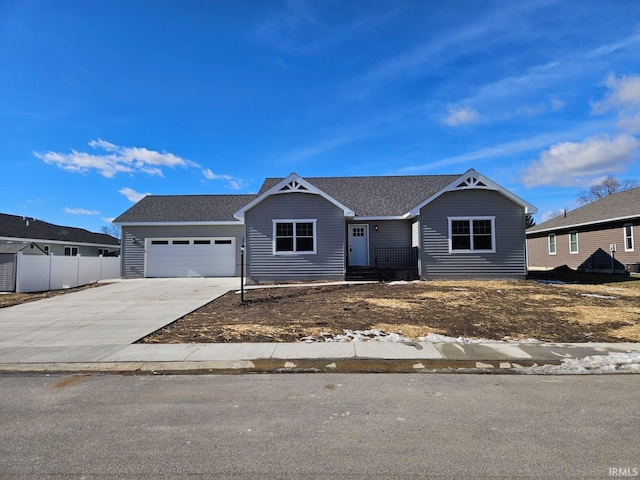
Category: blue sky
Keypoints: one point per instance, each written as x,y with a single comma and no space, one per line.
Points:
102,102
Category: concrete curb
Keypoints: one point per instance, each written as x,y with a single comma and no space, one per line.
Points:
326,365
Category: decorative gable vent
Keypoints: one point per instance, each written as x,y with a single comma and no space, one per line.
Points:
471,182
294,186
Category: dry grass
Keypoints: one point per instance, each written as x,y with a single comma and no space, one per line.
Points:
478,309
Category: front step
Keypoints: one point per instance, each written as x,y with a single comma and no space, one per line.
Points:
361,273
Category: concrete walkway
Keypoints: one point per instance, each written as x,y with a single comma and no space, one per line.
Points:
298,357
115,314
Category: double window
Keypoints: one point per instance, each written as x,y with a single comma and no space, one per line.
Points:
628,238
294,236
472,234
70,251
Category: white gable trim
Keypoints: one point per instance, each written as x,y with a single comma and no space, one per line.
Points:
292,184
472,180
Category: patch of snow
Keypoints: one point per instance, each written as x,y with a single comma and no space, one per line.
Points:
375,335
595,295
599,364
529,340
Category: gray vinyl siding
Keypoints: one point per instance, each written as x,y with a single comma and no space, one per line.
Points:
509,259
329,260
391,233
593,248
7,272
133,241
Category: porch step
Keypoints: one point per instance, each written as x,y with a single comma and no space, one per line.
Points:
361,273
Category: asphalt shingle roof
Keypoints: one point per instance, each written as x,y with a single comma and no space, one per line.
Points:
366,196
619,205
16,247
16,226
377,196
185,208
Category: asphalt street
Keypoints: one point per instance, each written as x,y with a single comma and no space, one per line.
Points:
319,426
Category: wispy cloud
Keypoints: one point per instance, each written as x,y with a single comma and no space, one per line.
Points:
519,95
115,159
549,214
299,28
132,195
624,98
613,47
234,183
505,149
356,131
570,164
461,116
445,47
80,211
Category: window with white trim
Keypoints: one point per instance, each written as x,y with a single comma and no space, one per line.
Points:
573,242
628,238
472,234
552,244
46,249
294,236
70,251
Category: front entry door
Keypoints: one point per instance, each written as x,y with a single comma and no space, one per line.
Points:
358,245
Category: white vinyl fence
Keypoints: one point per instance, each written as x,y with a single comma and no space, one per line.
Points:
38,273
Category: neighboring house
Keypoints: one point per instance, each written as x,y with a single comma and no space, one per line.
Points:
9,261
56,239
330,228
583,238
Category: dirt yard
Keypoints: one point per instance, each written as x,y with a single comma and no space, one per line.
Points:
604,311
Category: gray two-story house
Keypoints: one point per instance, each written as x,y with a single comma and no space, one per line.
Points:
331,228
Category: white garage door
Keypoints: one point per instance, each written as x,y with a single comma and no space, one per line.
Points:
190,257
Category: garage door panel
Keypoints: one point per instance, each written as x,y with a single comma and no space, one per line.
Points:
200,257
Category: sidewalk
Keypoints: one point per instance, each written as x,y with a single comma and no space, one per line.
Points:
354,357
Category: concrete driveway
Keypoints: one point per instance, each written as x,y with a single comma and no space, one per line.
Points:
115,314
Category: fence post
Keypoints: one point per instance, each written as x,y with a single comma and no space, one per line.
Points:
50,269
18,276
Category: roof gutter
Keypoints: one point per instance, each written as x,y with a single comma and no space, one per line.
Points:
584,224
59,242
167,224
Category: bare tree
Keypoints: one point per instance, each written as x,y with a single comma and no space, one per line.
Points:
605,188
112,230
529,221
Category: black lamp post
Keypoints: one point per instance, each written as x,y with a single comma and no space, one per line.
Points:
242,248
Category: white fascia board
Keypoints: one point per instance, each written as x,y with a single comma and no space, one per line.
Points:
171,224
585,224
490,185
59,242
276,190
